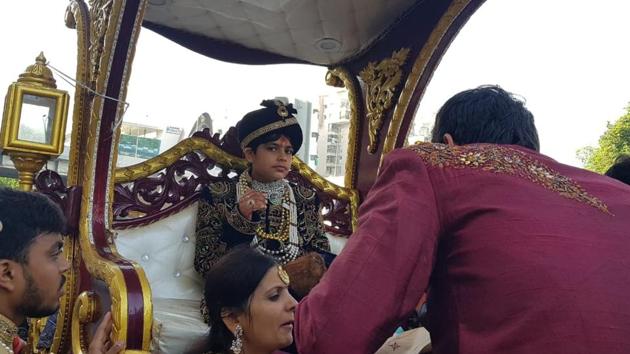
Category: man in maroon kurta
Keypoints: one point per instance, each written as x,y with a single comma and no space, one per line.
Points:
519,253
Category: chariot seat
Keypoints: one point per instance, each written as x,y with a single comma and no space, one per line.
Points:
154,218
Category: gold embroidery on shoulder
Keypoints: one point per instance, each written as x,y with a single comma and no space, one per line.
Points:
498,159
304,192
220,188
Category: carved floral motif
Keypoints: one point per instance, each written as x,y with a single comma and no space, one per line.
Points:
382,81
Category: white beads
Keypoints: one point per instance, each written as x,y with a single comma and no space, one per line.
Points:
145,257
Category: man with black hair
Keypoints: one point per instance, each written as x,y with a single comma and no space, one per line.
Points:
620,170
518,253
32,267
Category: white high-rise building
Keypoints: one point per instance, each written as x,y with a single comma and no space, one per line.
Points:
333,132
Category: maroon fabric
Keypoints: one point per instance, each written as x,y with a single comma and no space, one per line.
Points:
513,267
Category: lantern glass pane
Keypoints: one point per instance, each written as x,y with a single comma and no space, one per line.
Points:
37,118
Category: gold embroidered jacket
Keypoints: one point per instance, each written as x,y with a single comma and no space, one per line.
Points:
220,225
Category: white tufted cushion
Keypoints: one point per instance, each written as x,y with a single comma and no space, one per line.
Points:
337,243
165,250
177,325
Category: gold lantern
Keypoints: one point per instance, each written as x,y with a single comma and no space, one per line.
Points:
34,121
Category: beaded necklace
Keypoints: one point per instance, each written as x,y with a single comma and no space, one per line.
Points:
286,237
8,331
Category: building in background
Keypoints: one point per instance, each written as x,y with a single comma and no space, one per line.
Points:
333,116
420,132
140,142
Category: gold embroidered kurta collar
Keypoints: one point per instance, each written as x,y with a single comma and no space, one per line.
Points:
8,331
507,161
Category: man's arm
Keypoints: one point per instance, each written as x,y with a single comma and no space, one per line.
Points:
378,278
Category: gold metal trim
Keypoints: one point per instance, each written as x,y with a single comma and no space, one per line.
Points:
61,340
84,312
341,77
77,17
418,69
349,194
268,128
381,81
167,158
27,164
106,18
13,111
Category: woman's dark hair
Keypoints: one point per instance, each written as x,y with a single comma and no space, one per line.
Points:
486,114
23,217
621,169
229,286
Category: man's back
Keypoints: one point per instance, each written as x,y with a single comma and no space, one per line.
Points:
519,254
532,257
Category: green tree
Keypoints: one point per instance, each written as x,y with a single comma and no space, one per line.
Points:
8,182
614,142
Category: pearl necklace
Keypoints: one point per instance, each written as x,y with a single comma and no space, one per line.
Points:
9,349
275,190
287,230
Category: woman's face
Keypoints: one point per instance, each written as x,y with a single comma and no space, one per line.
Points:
271,161
268,325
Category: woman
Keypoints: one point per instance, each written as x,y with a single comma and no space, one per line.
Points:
262,208
250,308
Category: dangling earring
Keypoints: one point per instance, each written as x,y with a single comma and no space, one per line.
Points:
237,343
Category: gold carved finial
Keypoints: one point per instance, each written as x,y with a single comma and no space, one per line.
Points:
38,74
381,80
332,79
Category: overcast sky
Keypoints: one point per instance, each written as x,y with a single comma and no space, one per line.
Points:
568,58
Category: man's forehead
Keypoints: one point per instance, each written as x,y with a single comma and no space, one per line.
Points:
48,239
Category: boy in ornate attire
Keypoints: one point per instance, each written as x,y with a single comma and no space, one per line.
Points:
262,208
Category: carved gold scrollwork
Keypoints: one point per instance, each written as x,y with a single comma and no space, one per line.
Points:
78,18
100,13
86,311
382,80
419,69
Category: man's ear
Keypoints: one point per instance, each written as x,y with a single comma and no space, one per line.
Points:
448,140
249,154
7,274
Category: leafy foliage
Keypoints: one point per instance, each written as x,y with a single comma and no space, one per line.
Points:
614,142
8,182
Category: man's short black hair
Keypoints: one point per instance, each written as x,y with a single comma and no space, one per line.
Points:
24,216
620,170
486,114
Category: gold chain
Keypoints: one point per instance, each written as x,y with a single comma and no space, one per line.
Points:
8,331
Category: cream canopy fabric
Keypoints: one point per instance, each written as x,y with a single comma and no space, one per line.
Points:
321,32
